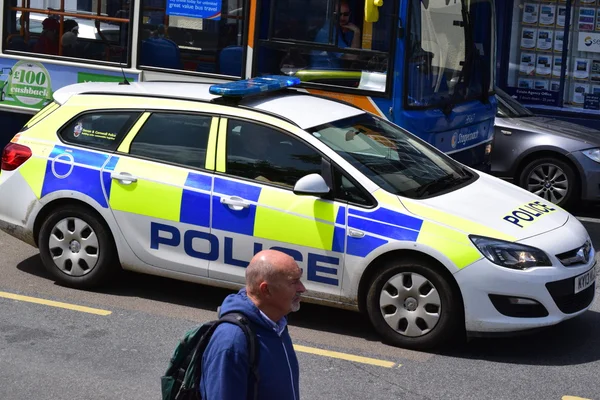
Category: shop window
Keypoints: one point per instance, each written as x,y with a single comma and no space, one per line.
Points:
538,64
175,35
100,34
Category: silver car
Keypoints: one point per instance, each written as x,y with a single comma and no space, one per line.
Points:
557,160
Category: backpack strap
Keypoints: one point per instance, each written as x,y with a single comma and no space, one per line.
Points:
244,323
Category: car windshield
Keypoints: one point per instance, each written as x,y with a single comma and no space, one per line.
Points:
509,107
392,158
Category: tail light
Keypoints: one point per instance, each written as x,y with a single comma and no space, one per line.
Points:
14,155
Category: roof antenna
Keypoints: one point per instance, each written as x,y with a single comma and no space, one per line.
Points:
125,81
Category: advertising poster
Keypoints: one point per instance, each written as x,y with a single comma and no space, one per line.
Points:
598,19
544,40
581,70
541,85
525,83
557,66
595,74
579,91
527,66
588,42
544,65
558,41
555,86
31,84
561,16
528,38
596,90
530,13
587,19
207,9
547,14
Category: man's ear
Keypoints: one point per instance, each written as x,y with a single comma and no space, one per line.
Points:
264,289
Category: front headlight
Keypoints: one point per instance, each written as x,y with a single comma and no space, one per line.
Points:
509,254
592,154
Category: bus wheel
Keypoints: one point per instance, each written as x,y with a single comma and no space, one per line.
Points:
77,248
413,306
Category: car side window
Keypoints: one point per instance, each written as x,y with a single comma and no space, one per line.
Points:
174,138
265,154
100,130
347,191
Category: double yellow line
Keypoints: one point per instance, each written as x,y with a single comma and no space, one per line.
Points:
299,348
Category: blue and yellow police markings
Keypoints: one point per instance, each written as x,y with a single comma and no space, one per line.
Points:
81,167
529,213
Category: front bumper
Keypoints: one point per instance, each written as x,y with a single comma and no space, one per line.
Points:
589,171
550,287
486,287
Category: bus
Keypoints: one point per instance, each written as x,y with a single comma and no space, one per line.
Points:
425,65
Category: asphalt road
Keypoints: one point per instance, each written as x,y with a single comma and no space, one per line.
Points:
50,352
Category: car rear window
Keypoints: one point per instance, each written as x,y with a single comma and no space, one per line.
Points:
100,130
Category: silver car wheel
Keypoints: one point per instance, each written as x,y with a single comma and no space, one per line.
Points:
410,304
549,182
74,248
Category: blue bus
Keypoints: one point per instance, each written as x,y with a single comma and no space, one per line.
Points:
426,65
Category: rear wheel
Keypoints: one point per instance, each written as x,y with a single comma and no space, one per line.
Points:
550,178
412,305
77,248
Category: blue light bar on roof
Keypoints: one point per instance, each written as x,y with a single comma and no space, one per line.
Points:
252,86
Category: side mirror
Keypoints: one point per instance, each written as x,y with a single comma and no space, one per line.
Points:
311,185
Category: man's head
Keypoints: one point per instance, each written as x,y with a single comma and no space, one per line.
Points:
273,281
344,13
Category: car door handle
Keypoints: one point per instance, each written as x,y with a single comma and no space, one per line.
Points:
355,233
235,203
123,177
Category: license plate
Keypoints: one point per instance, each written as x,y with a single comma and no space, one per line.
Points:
586,280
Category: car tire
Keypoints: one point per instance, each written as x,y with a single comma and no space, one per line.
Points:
562,185
77,248
403,324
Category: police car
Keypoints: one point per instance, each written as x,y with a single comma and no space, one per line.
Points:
189,181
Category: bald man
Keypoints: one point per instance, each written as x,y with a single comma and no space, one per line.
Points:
273,290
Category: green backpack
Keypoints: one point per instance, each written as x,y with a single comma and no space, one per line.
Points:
182,378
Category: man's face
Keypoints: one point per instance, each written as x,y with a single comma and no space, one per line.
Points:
286,292
344,14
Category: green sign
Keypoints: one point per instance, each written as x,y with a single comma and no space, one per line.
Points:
29,84
89,77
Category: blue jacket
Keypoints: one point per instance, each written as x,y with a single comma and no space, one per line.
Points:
225,363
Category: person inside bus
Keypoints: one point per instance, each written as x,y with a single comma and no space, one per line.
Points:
69,37
348,35
48,40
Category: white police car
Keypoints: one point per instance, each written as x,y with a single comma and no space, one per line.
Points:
190,180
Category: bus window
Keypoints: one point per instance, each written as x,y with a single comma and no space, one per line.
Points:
326,42
446,57
76,31
211,40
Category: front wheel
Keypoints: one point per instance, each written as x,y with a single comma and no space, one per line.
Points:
412,305
77,248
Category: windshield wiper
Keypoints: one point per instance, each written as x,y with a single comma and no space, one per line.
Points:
441,183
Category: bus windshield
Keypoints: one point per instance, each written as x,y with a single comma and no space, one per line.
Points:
449,52
393,159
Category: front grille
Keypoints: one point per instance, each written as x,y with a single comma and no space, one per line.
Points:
579,256
563,294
